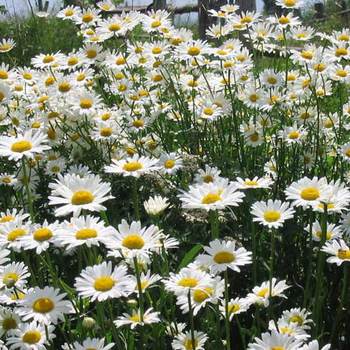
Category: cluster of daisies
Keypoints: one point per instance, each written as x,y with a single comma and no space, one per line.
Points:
155,188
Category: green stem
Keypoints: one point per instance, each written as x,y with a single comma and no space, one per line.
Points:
271,267
193,340
28,191
214,224
227,316
135,198
139,287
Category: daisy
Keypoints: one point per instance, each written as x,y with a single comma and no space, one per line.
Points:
298,316
11,232
211,196
156,205
339,251
23,145
7,45
70,12
290,329
134,240
184,341
314,345
89,343
75,194
84,230
307,192
9,320
235,307
193,49
31,336
14,274
7,179
256,182
170,163
275,340
43,61
272,213
223,255
333,231
186,279
290,4
4,253
42,235
147,281
260,294
133,166
44,305
101,282
212,293
208,175
134,319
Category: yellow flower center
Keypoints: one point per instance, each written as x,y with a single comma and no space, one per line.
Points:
263,292
310,193
72,61
14,234
64,86
187,282
132,166
328,235
211,198
254,137
10,277
43,305
278,348
31,337
91,53
199,295
189,344
272,215
9,323
208,111
6,180
272,80
344,254
293,135
21,146
48,59
250,183
319,67
224,257
135,318
233,308
253,97
114,27
27,76
133,241
343,37
120,61
341,73
87,17
341,51
3,74
157,50
69,13
156,24
86,233
246,19
169,164
6,218
193,51
296,319
104,283
105,132
289,3
82,197
49,81
86,103
283,20
138,123
42,234
208,178
307,55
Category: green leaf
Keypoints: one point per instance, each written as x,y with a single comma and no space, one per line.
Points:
189,257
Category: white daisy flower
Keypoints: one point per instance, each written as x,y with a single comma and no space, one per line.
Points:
333,231
256,182
260,294
23,145
133,240
314,345
11,232
208,175
271,213
183,341
170,163
298,316
275,340
222,255
134,166
290,329
307,192
134,319
75,194
101,282
44,305
31,336
84,230
235,307
211,196
339,251
89,344
14,275
9,321
156,205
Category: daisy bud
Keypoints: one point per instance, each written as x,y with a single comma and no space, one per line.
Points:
89,323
